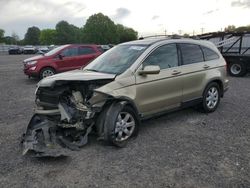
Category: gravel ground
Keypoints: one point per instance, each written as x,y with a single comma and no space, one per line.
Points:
181,149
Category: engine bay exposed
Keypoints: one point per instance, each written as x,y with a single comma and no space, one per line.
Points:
65,114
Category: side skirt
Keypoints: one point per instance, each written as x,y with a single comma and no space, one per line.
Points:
183,105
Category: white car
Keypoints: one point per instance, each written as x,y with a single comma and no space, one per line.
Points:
29,50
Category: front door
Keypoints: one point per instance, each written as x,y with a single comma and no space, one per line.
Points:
68,59
159,92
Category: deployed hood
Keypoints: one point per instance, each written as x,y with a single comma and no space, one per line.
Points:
76,75
34,58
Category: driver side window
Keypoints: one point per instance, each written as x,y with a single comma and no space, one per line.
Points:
165,57
69,52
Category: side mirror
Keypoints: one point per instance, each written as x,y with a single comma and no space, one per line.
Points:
60,56
150,69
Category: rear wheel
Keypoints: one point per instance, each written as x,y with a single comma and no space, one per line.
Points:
211,98
237,69
45,72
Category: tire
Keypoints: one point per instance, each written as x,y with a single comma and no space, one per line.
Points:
211,98
237,69
121,124
45,72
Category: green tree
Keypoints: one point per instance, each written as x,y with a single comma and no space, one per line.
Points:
76,32
125,34
1,35
32,36
67,33
15,38
100,29
243,28
48,36
230,28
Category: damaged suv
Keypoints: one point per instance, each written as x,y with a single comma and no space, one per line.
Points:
128,83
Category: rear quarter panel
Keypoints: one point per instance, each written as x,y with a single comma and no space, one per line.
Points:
197,77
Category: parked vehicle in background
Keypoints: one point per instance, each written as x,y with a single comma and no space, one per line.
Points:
130,82
235,48
105,47
15,50
43,50
60,59
29,50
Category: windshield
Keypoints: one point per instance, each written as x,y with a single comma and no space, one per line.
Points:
116,60
55,50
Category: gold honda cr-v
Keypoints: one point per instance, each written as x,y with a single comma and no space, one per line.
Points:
130,82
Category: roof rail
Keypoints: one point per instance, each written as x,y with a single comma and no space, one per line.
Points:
162,36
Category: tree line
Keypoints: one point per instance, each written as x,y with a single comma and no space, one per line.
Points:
99,29
232,28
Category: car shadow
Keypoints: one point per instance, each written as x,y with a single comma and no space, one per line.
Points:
31,81
166,118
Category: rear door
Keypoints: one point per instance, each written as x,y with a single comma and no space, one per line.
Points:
158,92
85,55
193,69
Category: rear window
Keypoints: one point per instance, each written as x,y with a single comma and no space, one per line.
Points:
209,54
191,53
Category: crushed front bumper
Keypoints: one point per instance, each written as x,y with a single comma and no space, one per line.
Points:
44,138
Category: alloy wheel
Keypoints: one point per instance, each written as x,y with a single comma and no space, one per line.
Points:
212,97
124,127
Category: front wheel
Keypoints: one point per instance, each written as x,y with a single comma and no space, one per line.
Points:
120,125
237,69
45,72
211,98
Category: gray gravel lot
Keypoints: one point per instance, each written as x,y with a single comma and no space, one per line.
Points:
181,149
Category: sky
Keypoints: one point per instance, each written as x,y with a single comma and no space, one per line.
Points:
147,17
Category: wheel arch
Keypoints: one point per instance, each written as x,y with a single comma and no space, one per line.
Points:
123,101
126,101
42,68
219,82
45,67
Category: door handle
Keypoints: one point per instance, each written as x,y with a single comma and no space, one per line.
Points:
206,66
175,72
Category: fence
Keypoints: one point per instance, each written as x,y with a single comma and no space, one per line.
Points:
5,47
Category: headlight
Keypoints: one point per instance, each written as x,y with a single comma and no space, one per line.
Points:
98,99
32,68
31,62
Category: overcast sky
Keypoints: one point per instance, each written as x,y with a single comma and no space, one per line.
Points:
152,17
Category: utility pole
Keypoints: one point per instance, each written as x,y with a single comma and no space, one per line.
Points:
202,30
165,31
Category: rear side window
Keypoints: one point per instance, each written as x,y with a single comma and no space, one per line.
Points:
209,54
191,53
86,50
165,56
